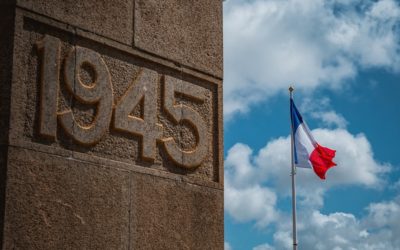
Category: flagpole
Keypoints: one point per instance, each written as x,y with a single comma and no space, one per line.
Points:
293,174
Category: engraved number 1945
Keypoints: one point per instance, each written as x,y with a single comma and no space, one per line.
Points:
100,94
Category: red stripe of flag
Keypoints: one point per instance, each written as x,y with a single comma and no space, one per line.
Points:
321,159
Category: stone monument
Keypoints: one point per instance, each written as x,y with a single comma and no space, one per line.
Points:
111,124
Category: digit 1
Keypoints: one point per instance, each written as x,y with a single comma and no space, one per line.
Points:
49,83
100,93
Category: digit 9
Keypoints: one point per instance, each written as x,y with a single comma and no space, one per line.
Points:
99,93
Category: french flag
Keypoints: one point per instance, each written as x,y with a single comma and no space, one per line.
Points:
307,152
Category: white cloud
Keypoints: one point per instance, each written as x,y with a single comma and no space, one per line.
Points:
253,203
254,181
385,214
246,199
270,44
227,246
378,229
263,247
330,118
355,165
320,109
238,166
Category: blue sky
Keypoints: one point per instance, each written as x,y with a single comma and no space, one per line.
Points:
343,58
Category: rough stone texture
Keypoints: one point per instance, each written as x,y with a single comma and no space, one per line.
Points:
6,58
3,178
6,55
62,191
112,19
175,215
123,70
58,203
188,32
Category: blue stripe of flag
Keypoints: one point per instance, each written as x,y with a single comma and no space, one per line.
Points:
296,120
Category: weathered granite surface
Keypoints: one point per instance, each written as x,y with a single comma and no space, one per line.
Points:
111,120
112,19
59,203
189,32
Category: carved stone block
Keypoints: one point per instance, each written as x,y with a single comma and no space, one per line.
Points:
59,203
172,215
112,19
105,145
75,94
188,32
